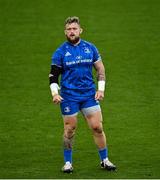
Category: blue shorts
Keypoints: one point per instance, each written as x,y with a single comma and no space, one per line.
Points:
71,106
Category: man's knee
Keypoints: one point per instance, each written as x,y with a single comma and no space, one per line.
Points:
97,129
69,131
68,136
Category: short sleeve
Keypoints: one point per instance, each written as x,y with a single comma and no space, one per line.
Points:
57,58
96,55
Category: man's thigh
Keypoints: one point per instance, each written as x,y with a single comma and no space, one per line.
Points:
92,112
94,120
90,106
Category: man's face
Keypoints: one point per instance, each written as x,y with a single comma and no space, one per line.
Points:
72,32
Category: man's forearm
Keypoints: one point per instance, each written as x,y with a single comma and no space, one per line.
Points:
100,76
101,80
53,79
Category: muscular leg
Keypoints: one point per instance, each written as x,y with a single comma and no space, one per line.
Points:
94,121
69,131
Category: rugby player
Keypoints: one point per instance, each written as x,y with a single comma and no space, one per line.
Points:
74,61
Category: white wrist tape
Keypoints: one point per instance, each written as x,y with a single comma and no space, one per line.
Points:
54,88
101,85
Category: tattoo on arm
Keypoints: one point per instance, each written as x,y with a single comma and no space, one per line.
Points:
101,76
100,71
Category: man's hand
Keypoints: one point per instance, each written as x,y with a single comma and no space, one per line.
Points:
99,95
57,99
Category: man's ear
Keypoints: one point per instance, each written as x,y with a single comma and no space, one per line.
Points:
81,30
65,32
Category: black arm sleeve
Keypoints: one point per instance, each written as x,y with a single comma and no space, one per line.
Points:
54,74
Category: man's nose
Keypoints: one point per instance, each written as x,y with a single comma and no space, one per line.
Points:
72,30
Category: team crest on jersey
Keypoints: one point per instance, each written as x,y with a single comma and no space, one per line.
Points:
67,109
86,50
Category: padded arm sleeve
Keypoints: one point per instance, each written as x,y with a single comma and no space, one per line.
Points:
54,74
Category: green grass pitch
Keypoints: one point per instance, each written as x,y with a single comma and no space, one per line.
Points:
127,33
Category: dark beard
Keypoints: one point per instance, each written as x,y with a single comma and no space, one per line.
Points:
73,41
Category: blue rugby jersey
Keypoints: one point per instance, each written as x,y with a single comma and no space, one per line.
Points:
77,62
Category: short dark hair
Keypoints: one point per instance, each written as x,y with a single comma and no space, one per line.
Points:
73,19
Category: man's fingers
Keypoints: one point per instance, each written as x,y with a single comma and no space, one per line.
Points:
96,96
99,95
57,99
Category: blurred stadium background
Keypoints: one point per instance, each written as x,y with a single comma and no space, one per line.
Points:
127,34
